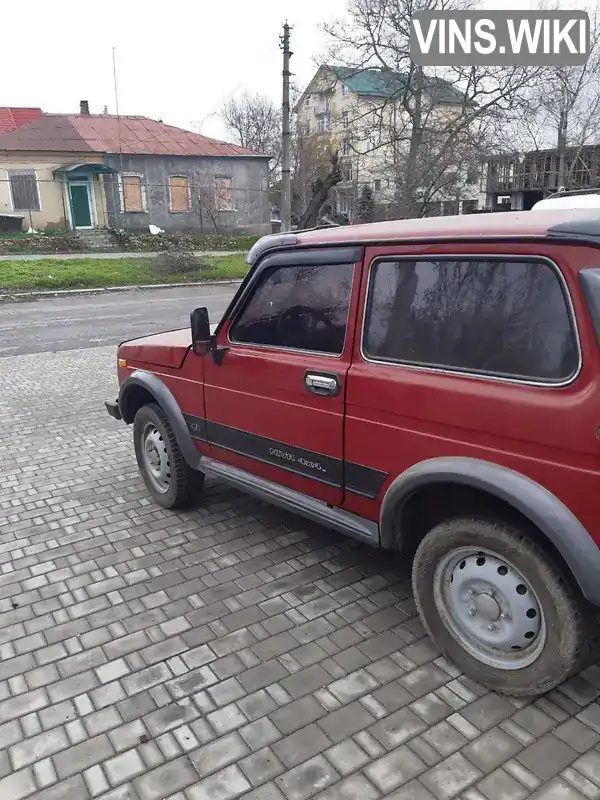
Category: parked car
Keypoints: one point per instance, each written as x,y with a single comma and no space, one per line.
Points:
575,198
428,386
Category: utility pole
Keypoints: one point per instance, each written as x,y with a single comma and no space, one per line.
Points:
286,193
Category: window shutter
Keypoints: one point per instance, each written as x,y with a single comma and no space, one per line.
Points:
132,193
24,190
224,187
179,193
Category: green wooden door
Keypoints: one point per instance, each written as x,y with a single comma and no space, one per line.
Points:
80,205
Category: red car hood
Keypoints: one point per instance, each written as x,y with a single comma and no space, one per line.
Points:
162,349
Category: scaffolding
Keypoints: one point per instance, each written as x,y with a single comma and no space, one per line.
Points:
538,170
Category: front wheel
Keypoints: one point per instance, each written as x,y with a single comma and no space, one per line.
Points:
498,606
170,480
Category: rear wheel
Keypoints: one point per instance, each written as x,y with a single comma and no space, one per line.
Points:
498,606
170,480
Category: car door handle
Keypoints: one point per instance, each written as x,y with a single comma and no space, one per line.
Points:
319,383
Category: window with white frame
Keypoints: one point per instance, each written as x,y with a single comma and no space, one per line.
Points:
224,192
345,147
132,193
345,205
344,90
322,123
24,191
345,119
347,171
179,194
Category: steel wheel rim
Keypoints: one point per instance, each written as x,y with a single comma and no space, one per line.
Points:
490,608
156,458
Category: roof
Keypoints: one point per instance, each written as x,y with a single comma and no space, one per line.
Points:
11,118
383,83
105,133
506,224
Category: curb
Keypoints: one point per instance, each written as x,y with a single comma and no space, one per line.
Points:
21,297
111,255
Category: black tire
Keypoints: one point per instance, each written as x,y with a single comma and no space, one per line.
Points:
564,610
186,484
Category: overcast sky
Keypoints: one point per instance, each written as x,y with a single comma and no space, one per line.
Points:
176,60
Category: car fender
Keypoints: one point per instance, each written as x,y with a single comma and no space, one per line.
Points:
165,399
541,507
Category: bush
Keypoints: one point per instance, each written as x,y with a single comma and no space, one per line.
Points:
142,242
61,243
56,229
181,263
146,242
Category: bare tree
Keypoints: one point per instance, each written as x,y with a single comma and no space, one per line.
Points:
203,200
321,187
366,205
430,121
255,122
562,113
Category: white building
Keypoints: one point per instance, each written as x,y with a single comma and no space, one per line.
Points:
350,110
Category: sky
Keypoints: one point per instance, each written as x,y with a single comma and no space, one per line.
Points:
176,60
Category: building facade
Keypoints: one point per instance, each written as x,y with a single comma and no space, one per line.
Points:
211,194
351,111
516,181
85,171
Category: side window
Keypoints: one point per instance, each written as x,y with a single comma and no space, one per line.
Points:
300,307
503,318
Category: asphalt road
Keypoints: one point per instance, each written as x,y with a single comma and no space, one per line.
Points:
82,321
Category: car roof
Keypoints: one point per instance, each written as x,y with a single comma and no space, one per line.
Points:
566,224
508,224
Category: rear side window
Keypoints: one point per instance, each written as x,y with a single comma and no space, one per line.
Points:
496,317
298,307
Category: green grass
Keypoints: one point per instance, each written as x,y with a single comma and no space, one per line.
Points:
92,273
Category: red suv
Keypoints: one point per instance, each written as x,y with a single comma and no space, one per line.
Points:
430,386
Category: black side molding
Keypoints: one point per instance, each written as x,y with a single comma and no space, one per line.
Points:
541,507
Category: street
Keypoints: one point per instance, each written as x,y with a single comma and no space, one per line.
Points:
67,323
232,651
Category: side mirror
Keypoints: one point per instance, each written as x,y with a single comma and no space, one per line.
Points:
200,324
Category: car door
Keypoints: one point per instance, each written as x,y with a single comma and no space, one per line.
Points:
464,353
275,402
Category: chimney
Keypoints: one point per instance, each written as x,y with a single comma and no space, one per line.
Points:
84,107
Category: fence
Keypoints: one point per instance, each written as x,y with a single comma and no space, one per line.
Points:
131,203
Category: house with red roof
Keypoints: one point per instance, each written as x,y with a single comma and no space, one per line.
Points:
11,118
85,171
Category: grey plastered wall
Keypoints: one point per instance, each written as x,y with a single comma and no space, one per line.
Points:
251,212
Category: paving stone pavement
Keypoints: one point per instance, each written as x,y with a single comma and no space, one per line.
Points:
233,651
